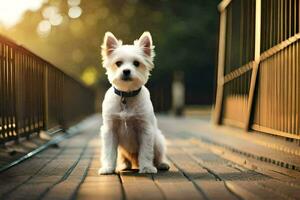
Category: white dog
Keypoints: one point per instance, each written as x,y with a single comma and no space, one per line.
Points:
130,136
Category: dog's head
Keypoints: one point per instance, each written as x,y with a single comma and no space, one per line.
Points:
128,66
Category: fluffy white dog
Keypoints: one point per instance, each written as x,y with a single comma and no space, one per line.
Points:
130,136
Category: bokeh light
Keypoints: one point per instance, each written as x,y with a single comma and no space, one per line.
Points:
89,75
52,14
73,2
49,11
44,28
56,20
75,12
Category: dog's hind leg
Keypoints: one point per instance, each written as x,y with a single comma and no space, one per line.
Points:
122,163
160,160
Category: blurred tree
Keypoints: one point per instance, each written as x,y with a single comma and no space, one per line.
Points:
184,34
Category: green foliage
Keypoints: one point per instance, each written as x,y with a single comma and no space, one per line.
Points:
184,34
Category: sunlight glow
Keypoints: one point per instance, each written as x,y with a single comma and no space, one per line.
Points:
11,11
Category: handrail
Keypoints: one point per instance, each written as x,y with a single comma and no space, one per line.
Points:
29,52
35,95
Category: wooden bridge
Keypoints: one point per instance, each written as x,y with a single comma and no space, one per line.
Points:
49,132
206,163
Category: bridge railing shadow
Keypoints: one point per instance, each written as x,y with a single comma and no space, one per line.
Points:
35,95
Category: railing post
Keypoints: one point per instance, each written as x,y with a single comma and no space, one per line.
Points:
46,103
221,63
256,63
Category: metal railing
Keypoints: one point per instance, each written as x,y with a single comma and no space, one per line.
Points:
258,84
35,95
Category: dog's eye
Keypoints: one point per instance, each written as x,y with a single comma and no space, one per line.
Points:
136,63
119,63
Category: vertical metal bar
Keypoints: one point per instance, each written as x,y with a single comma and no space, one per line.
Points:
281,81
13,87
221,63
1,92
5,92
21,93
256,62
228,40
290,17
288,87
241,35
282,13
270,23
293,91
275,93
46,96
270,99
278,21
297,90
295,16
16,92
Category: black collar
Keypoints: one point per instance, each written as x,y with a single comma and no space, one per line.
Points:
127,94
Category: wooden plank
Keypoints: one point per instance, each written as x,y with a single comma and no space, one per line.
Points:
180,190
283,174
166,184
285,189
257,145
100,190
139,186
221,168
96,186
172,175
132,176
215,190
22,173
218,166
45,177
251,190
67,188
174,185
8,184
188,166
142,190
29,191
215,165
241,192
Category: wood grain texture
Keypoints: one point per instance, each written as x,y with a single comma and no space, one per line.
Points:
198,170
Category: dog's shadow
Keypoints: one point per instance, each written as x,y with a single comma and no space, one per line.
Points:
133,174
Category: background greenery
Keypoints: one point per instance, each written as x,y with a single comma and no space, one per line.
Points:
184,33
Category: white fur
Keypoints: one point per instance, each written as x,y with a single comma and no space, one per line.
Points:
130,135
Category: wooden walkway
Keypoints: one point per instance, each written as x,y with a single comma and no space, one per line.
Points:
199,170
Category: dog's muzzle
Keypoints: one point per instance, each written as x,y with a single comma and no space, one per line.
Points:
126,76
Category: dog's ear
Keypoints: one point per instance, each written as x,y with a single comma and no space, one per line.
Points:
110,43
145,42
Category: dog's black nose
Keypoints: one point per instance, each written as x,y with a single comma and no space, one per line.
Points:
126,72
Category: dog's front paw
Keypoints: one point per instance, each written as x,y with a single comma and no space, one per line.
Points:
106,170
148,170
